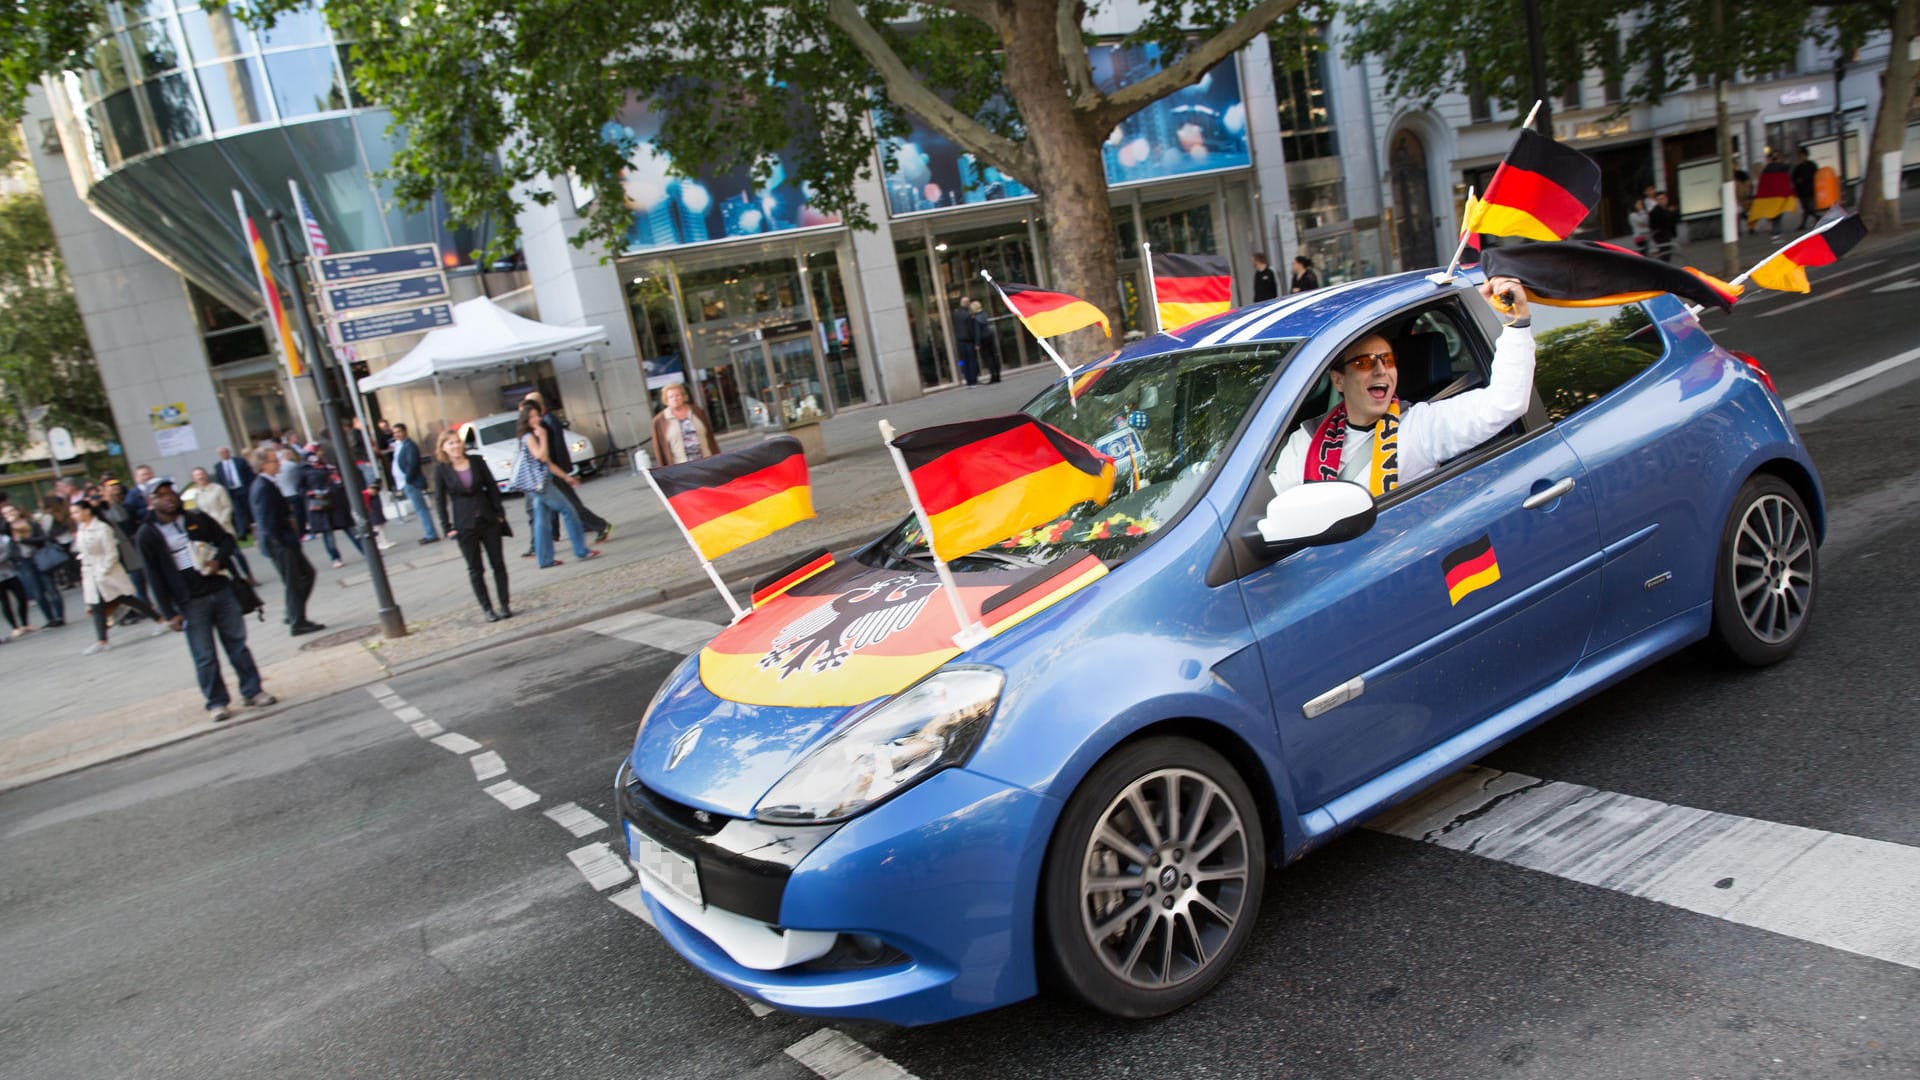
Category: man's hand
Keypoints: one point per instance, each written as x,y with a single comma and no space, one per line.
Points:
451,533
1507,296
573,481
176,622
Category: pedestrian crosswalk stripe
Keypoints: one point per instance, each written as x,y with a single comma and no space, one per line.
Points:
487,766
575,820
632,901
407,714
600,865
833,1055
1845,892
427,729
662,632
512,795
455,742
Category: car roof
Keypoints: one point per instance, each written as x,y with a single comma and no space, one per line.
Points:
491,419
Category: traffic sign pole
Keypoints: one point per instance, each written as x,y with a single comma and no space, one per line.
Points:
392,623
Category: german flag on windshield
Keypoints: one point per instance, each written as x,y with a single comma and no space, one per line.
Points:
1588,273
1786,269
1542,191
981,481
738,497
1188,288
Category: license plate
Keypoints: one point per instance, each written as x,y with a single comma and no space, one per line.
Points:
668,867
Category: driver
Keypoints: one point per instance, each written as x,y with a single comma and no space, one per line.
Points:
1377,441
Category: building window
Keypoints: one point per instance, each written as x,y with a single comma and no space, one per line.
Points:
1315,206
1612,70
1300,83
1479,105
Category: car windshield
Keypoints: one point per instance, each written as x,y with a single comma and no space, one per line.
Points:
498,431
1163,419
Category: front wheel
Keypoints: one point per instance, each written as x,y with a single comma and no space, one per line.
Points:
1153,878
1764,578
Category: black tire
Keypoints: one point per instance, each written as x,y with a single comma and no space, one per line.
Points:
1765,574
1215,863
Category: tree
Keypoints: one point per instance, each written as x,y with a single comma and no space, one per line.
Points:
1854,20
44,355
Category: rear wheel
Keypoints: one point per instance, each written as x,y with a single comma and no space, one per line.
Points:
1153,878
1765,576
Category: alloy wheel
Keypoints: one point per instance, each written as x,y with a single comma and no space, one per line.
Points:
1772,568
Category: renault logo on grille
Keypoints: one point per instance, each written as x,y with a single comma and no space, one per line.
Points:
682,746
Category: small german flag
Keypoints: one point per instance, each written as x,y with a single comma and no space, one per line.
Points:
1470,569
1773,195
813,562
1188,288
1589,273
981,481
1542,191
740,496
1050,314
1786,269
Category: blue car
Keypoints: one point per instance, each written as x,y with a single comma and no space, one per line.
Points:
838,810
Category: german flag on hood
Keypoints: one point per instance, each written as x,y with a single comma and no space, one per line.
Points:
1588,273
1542,191
1786,269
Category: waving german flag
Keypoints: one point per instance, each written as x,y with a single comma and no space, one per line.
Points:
1588,273
1050,314
1542,191
1188,288
981,481
738,497
1774,194
1786,270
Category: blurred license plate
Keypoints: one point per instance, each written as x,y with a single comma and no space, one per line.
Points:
669,868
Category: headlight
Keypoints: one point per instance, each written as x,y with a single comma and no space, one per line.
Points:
933,725
577,445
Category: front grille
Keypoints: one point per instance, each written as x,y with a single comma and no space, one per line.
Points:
693,820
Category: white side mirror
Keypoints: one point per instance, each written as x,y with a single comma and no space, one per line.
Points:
1326,512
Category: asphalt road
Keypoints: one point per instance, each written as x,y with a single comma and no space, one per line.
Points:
331,894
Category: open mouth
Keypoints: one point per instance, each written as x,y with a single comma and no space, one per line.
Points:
1378,391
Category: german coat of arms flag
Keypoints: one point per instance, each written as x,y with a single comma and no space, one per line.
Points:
738,497
981,481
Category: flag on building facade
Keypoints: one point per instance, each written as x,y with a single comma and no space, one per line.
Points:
1188,288
1588,273
1543,190
269,291
1773,195
735,498
1049,314
1786,270
981,481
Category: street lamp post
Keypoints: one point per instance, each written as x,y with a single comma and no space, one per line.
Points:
1839,119
392,623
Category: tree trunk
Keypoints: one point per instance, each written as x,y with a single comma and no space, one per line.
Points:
1072,174
1877,212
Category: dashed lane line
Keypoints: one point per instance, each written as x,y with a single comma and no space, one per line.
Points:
455,742
427,729
632,901
1844,892
487,765
408,714
601,866
512,794
1828,294
572,818
834,1056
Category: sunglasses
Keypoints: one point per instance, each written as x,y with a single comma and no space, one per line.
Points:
1367,362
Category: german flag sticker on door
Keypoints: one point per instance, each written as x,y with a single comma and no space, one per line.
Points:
1470,569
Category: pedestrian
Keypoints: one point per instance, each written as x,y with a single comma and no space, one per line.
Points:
1663,224
113,506
1640,222
234,474
408,477
536,475
280,539
13,590
986,343
56,521
963,338
1266,285
680,429
1304,279
477,521
1743,194
143,485
287,479
562,457
189,556
41,556
1804,171
104,584
326,495
214,500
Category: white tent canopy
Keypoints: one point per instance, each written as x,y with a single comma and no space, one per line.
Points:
483,335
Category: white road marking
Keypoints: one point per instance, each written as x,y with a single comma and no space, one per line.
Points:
832,1056
427,729
456,742
1828,389
632,901
1898,286
575,820
1845,892
407,714
381,690
657,631
488,765
601,866
1827,294
759,1009
512,795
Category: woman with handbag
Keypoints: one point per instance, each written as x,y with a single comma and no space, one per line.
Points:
54,519
326,502
478,520
42,556
12,590
103,584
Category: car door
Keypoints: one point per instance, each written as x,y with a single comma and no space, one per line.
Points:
1475,586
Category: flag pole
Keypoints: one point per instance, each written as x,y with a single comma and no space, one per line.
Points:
1466,230
1064,368
1153,287
705,564
969,632
293,381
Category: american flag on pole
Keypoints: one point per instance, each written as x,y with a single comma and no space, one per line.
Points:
316,240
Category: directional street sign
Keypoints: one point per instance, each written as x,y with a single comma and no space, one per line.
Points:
386,292
356,265
352,331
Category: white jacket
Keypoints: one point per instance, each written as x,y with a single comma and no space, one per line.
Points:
101,578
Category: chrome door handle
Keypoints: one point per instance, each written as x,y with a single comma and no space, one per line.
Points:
1542,498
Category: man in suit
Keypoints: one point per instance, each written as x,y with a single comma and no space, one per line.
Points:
280,538
236,476
410,479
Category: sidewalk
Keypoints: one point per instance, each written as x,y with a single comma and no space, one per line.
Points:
66,711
